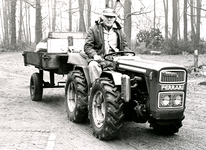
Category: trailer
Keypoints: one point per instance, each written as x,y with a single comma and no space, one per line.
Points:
54,60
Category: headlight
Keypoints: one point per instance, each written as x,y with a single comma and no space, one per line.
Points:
177,100
170,99
164,100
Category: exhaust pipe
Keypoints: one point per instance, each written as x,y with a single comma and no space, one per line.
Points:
126,88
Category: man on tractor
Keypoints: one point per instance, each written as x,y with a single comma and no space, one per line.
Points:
105,37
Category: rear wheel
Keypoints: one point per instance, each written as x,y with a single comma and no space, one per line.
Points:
36,88
105,109
76,97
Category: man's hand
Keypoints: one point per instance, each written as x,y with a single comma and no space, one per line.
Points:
106,64
97,58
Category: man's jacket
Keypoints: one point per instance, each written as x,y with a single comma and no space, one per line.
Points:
94,43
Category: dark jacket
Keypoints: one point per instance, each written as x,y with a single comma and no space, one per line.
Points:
94,43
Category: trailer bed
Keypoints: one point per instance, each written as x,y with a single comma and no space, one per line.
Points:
55,62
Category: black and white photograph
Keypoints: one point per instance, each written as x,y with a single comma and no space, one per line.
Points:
102,74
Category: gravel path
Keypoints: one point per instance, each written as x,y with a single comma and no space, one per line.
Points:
19,116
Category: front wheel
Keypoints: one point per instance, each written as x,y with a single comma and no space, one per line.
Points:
105,109
36,88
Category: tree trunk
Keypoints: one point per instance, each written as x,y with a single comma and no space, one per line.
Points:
107,3
154,19
185,20
82,27
60,15
178,20
128,21
38,27
20,25
192,21
174,25
166,18
6,22
197,39
70,15
1,19
13,24
27,24
49,14
88,13
54,16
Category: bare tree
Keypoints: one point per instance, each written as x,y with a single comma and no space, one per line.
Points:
38,26
128,20
174,19
154,22
185,20
20,25
13,24
192,20
178,20
107,3
88,13
70,15
27,24
166,18
82,26
110,3
195,21
54,16
197,37
1,20
5,5
49,14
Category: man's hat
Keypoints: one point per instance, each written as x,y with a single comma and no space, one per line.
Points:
109,12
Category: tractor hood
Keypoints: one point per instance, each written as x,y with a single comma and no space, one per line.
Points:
138,64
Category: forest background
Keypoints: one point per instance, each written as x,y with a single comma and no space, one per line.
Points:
168,26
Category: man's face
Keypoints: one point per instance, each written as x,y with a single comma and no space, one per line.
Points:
108,20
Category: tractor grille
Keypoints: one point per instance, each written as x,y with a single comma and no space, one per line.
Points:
172,76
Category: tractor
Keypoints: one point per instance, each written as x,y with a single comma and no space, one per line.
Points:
133,88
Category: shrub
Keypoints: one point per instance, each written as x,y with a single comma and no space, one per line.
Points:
19,46
171,47
152,38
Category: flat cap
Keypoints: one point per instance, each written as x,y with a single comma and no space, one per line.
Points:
109,12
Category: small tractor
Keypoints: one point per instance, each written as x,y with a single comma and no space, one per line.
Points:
133,88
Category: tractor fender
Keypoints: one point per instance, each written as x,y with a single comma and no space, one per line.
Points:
79,61
85,70
116,76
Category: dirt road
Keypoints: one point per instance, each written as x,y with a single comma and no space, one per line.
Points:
19,113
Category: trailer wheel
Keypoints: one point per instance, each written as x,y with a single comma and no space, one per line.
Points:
167,129
105,109
36,88
76,97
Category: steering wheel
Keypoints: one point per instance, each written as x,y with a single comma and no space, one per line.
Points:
110,56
